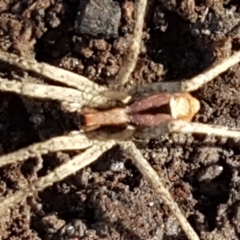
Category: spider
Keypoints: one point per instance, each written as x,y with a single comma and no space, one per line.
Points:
96,102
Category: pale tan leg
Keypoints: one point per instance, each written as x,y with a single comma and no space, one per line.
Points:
179,126
191,84
77,163
61,94
130,60
72,142
192,127
43,91
152,177
54,73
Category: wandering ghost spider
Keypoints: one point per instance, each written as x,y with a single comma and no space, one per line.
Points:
145,112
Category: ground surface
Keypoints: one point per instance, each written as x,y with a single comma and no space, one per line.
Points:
110,199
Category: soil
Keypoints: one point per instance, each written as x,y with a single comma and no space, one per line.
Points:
110,199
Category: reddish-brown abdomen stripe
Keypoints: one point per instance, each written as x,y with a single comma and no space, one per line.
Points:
149,102
149,120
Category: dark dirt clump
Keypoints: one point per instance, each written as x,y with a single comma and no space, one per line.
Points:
110,199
